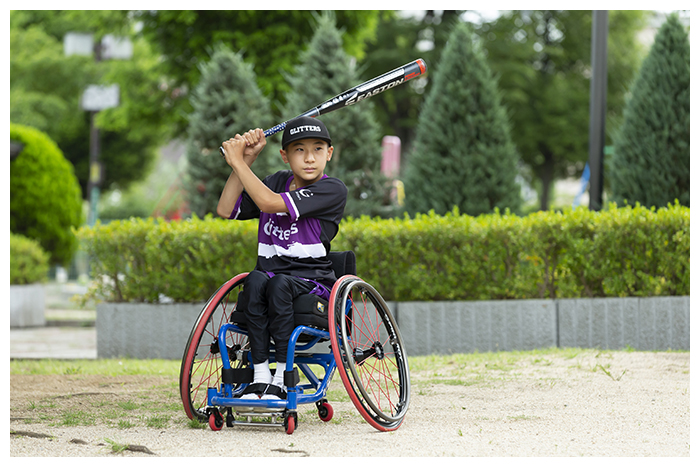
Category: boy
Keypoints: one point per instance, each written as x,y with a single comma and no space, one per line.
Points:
299,211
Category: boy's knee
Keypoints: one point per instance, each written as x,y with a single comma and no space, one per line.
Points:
256,280
259,275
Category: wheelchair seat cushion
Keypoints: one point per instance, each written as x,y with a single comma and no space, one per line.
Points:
311,310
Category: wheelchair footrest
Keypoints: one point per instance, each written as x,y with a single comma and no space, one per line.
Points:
255,419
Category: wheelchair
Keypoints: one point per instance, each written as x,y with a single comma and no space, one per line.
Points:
356,327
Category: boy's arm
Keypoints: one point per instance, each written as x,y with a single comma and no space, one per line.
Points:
229,196
242,177
234,187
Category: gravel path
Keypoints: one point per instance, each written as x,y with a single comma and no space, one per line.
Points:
590,404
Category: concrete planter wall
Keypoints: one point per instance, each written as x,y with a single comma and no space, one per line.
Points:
655,323
142,330
464,327
27,304
650,323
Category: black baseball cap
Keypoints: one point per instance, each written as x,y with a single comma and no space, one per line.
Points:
302,128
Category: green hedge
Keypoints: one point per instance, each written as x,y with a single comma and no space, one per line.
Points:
144,260
614,253
29,263
619,252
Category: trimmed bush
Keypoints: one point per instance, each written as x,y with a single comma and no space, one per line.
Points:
619,252
45,198
29,263
145,260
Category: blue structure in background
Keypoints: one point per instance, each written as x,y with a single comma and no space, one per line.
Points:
585,178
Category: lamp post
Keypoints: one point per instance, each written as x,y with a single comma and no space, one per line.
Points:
96,98
599,86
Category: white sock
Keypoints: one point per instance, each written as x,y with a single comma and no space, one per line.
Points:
261,373
278,380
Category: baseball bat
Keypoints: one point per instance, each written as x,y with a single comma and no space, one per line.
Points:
358,93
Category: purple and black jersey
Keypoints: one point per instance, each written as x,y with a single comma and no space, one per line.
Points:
297,243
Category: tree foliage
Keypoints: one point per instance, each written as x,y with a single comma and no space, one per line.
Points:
271,40
542,59
46,87
401,38
325,70
651,164
45,201
463,155
226,101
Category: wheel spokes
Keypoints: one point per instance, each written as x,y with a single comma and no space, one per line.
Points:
373,355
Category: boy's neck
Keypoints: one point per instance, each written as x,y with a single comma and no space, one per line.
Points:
298,184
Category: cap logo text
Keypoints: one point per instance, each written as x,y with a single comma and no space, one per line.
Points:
299,129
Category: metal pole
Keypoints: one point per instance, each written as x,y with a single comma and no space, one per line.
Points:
599,85
94,175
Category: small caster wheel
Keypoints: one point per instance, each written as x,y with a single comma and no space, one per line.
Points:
290,423
325,411
229,418
216,421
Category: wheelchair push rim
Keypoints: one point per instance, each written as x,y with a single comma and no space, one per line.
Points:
369,353
201,362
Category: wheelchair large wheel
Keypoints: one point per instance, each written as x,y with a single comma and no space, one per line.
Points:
201,361
369,353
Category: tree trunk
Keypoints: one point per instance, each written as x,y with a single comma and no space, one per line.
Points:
546,174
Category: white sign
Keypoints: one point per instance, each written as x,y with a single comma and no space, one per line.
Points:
75,43
97,98
112,47
118,48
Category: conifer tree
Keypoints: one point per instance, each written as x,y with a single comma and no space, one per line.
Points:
463,154
226,101
324,71
651,163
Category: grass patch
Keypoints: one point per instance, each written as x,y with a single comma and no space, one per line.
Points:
116,403
491,361
480,368
128,405
196,424
105,367
160,421
125,424
605,370
465,363
77,418
115,447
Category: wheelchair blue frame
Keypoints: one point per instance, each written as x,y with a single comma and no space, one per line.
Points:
226,396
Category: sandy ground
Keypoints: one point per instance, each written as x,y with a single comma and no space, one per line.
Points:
588,404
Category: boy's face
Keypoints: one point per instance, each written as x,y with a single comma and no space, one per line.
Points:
307,158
